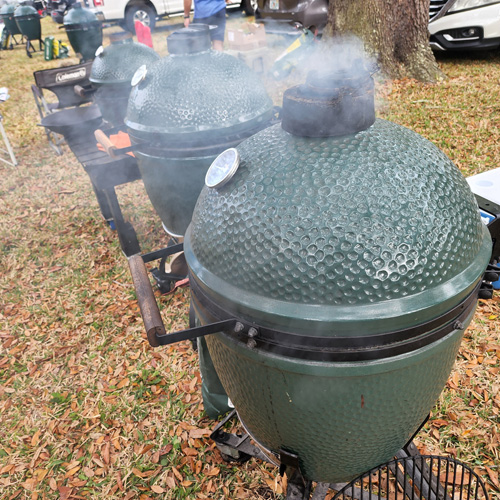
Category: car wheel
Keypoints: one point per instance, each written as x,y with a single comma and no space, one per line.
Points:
140,12
249,6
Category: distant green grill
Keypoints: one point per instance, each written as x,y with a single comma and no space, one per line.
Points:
7,15
28,22
84,31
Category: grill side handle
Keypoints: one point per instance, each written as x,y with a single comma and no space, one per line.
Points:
111,149
106,143
147,302
153,323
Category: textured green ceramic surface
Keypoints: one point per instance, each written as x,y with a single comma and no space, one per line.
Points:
84,31
341,419
28,22
197,93
7,15
173,186
353,235
117,63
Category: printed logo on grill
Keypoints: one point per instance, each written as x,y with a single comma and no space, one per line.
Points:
72,75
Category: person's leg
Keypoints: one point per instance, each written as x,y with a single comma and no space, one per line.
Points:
217,34
218,27
218,45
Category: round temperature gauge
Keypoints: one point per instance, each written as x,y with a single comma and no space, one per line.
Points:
139,75
222,168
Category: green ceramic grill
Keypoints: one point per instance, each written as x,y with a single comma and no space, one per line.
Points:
183,111
28,24
338,257
112,71
7,15
84,31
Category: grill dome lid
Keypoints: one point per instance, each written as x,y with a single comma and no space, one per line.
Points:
118,62
77,15
8,8
349,235
25,10
197,93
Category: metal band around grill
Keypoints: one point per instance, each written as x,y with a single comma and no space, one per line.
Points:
358,348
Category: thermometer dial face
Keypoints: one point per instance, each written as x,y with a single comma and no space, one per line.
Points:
139,75
222,168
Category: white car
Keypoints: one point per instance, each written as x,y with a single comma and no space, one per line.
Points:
146,11
464,24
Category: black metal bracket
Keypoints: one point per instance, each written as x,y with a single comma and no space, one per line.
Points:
491,275
163,279
235,447
195,332
299,488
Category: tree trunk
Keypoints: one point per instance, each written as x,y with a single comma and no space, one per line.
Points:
395,32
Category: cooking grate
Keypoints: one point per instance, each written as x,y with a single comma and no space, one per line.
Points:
416,478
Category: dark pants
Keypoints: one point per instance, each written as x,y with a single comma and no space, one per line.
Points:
218,20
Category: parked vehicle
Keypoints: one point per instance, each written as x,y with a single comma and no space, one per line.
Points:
453,24
464,24
58,9
285,16
146,11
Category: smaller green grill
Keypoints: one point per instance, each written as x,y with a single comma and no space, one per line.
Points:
84,31
183,111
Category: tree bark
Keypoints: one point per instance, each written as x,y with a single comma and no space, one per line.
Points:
395,32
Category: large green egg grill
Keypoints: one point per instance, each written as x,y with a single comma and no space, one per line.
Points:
84,31
185,110
355,249
112,71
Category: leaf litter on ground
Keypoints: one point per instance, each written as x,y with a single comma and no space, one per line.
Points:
88,409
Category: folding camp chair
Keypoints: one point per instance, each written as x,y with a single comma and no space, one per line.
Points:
62,82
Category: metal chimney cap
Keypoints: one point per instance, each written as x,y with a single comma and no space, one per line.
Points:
195,38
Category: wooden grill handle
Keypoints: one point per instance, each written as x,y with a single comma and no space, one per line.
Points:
105,142
147,301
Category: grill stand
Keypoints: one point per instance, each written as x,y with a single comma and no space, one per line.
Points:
411,475
106,174
31,48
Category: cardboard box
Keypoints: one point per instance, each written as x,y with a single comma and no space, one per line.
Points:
256,59
250,36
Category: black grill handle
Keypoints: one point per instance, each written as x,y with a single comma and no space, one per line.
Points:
153,323
84,90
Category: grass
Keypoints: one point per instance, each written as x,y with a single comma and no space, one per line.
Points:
87,409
